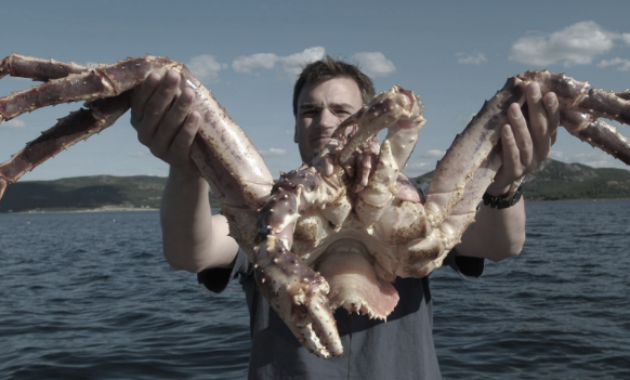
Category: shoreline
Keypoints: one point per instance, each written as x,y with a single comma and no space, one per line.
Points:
136,209
100,209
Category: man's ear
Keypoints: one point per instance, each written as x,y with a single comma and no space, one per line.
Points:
295,134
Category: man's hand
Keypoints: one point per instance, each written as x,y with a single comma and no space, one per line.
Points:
164,121
526,144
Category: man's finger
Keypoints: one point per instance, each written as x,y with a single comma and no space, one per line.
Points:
539,120
511,166
550,101
521,134
159,103
180,148
172,122
140,97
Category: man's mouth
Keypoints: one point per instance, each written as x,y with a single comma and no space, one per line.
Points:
321,140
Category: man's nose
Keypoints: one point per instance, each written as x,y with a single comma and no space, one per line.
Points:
328,118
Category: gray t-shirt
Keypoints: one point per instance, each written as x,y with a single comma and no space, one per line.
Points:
401,348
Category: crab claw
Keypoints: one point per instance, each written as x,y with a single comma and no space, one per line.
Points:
299,296
396,106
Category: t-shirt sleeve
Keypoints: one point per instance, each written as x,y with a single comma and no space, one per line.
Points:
470,268
213,281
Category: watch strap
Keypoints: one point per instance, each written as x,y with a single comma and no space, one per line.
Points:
508,200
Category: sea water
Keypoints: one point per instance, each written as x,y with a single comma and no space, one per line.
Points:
90,296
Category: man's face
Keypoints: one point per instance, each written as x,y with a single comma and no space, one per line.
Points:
321,108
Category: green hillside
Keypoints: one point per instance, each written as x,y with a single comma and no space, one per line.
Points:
555,180
80,193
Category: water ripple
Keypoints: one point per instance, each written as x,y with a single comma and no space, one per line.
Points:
83,297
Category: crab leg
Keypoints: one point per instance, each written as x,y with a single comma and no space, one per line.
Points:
399,111
226,158
18,65
578,96
421,256
474,144
596,132
467,152
69,130
296,292
104,81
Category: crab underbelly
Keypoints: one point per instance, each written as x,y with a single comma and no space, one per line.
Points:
357,281
349,269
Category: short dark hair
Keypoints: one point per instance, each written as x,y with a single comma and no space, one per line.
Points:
329,68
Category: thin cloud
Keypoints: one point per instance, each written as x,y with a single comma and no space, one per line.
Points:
557,155
595,159
13,124
374,64
273,152
138,154
434,153
417,166
577,44
621,63
205,67
474,58
291,64
465,119
246,64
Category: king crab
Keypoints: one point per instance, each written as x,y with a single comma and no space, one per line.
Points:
336,232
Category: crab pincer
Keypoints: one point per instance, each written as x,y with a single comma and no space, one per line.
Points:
298,294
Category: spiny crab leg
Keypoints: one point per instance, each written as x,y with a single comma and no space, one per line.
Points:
398,109
69,130
104,81
296,292
39,69
597,133
474,144
427,251
226,158
79,125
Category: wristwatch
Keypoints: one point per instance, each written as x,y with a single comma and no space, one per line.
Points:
509,199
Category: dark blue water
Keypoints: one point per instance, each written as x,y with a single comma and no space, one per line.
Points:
88,295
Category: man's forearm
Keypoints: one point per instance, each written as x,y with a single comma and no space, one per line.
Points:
192,238
496,234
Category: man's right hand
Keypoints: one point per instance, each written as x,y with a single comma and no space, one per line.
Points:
193,239
162,116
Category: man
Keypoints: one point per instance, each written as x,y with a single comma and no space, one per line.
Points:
328,92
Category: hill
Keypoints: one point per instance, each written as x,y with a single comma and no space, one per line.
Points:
555,180
80,193
552,180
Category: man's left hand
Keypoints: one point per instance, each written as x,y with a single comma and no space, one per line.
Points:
525,144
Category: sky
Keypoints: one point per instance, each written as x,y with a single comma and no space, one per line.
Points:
453,54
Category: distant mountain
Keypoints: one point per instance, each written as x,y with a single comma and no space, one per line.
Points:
81,193
555,180
552,180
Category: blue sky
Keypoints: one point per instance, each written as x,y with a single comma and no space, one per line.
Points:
454,54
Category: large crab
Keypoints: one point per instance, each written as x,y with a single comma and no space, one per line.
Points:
336,232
